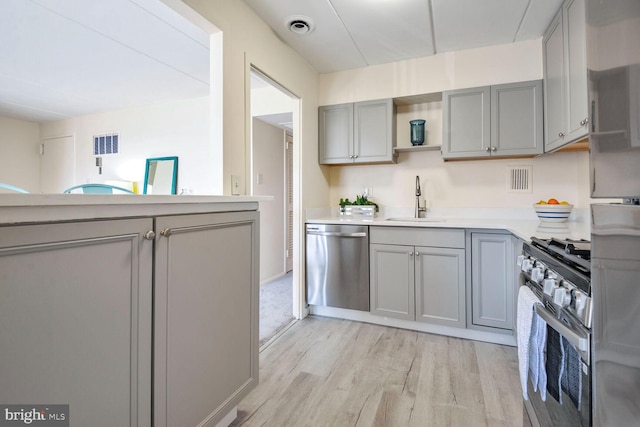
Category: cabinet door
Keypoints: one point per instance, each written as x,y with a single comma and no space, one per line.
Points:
335,136
555,115
440,286
392,281
576,72
75,309
516,119
466,123
492,284
374,134
206,316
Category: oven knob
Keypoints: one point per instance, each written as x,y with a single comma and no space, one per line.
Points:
562,297
551,274
520,259
548,286
579,301
537,274
527,264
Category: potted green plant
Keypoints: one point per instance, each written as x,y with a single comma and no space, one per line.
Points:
362,206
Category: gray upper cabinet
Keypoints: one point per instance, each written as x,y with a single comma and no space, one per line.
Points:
493,121
467,123
516,119
565,75
335,128
492,285
361,132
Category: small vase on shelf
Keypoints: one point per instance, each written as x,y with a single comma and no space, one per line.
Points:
417,132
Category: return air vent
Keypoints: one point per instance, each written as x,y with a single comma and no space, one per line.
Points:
106,144
519,179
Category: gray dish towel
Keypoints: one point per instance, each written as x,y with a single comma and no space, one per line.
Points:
555,364
572,376
537,341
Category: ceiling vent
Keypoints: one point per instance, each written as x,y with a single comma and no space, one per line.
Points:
300,24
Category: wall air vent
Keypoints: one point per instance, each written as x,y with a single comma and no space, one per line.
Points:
106,144
519,179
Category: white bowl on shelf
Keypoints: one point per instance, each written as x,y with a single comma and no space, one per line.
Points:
553,213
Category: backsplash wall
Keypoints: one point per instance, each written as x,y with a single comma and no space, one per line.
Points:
464,184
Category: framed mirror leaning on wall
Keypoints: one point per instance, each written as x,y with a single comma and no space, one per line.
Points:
161,175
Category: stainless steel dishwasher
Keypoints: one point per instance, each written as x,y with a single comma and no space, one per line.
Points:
338,266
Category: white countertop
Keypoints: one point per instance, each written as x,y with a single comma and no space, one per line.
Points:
518,225
27,208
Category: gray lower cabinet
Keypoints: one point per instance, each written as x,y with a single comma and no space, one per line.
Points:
75,309
361,132
206,324
566,107
492,280
82,302
493,121
418,274
392,280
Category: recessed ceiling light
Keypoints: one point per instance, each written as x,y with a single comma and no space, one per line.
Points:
299,24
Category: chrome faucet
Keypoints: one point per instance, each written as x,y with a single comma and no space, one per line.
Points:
418,194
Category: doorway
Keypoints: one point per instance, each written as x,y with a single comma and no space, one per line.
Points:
271,173
57,164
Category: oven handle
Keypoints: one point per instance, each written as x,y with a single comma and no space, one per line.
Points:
580,341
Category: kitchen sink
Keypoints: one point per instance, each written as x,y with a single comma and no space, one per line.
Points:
412,219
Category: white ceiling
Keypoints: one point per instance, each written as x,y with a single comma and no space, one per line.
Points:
64,58
357,33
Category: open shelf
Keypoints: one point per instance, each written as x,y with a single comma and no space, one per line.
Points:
417,148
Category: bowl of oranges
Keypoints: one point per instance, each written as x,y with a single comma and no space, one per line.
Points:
552,210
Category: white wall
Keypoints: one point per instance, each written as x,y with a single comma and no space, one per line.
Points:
268,162
20,153
178,128
248,40
463,184
451,70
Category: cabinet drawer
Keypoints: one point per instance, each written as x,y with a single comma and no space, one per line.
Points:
417,236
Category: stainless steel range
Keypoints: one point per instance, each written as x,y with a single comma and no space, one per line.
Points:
558,272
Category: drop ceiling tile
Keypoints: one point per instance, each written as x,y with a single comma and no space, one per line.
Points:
328,47
537,18
464,24
388,31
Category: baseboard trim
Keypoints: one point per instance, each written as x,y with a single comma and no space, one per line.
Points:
364,316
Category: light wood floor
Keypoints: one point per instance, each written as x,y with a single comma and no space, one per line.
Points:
331,372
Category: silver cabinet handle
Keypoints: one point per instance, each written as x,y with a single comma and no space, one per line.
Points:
561,135
487,149
411,253
494,149
417,253
584,122
166,232
150,235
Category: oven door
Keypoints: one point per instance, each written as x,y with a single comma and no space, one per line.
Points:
550,412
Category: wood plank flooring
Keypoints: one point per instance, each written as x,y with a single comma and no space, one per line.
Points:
332,372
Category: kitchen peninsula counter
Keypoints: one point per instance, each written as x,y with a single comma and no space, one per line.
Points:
144,303
28,208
